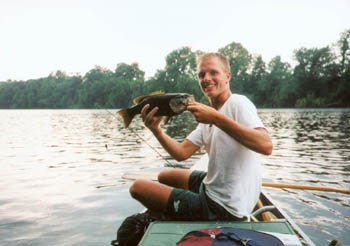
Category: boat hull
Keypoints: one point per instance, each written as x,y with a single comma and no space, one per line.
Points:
170,232
274,220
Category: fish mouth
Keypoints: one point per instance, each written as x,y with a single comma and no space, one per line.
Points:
190,99
187,99
180,103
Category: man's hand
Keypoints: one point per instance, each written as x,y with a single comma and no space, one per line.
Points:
203,113
151,121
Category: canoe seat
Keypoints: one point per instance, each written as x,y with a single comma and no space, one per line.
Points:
263,210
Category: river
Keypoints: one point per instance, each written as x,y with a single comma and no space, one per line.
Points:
60,172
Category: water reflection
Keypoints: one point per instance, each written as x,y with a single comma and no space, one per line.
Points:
61,171
181,126
312,147
316,139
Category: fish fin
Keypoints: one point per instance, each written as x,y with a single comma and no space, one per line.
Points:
157,93
140,98
127,117
167,119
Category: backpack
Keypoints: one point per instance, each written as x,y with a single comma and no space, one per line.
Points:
133,227
228,236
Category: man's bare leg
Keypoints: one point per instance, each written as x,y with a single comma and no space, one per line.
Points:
152,195
177,178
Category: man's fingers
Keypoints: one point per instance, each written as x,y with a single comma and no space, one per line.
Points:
144,110
194,107
152,112
148,116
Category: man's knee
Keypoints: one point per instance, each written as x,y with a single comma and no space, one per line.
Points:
136,187
163,176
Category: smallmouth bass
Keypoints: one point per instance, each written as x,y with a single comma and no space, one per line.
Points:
169,104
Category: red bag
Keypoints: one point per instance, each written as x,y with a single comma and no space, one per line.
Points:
228,236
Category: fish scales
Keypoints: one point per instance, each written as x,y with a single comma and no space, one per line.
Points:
169,104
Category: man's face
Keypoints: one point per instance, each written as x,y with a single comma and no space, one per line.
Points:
213,80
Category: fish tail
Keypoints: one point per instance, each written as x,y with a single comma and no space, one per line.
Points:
127,116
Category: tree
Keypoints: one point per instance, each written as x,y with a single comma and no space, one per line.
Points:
179,69
19,100
280,83
94,89
344,47
256,78
179,74
128,83
314,74
6,93
343,89
321,77
240,61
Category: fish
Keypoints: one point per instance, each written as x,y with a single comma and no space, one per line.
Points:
169,104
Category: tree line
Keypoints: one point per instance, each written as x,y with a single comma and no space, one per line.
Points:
320,78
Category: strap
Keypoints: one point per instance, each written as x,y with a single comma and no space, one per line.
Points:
234,237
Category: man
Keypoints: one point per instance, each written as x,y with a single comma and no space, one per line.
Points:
232,134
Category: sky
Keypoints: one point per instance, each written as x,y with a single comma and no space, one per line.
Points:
38,37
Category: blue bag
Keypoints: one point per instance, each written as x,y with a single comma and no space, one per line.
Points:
228,236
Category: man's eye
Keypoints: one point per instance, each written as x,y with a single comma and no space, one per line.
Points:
213,72
201,75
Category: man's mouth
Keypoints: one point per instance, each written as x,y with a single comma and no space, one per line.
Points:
208,86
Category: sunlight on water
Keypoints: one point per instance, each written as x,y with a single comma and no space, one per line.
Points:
311,147
60,179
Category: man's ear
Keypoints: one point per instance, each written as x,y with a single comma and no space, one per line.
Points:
229,76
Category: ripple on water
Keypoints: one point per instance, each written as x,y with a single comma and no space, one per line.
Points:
60,178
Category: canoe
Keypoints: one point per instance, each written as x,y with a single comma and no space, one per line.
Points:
160,233
266,217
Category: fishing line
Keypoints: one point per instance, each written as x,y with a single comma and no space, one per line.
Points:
154,149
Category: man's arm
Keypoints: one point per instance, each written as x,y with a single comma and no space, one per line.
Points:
255,139
179,151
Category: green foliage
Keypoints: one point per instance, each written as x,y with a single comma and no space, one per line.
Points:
320,78
240,61
179,74
310,101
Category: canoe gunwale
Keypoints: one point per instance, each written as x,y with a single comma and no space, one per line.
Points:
295,227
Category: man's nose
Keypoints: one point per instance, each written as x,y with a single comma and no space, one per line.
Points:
207,77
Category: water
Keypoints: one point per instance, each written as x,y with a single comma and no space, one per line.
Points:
60,172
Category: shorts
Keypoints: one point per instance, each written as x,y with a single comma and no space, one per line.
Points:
194,204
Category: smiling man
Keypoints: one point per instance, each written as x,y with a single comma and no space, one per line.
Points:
232,134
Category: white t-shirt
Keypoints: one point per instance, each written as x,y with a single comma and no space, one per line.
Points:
234,171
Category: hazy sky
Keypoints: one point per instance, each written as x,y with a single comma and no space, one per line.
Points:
38,37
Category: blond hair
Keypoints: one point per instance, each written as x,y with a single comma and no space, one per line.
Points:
222,58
